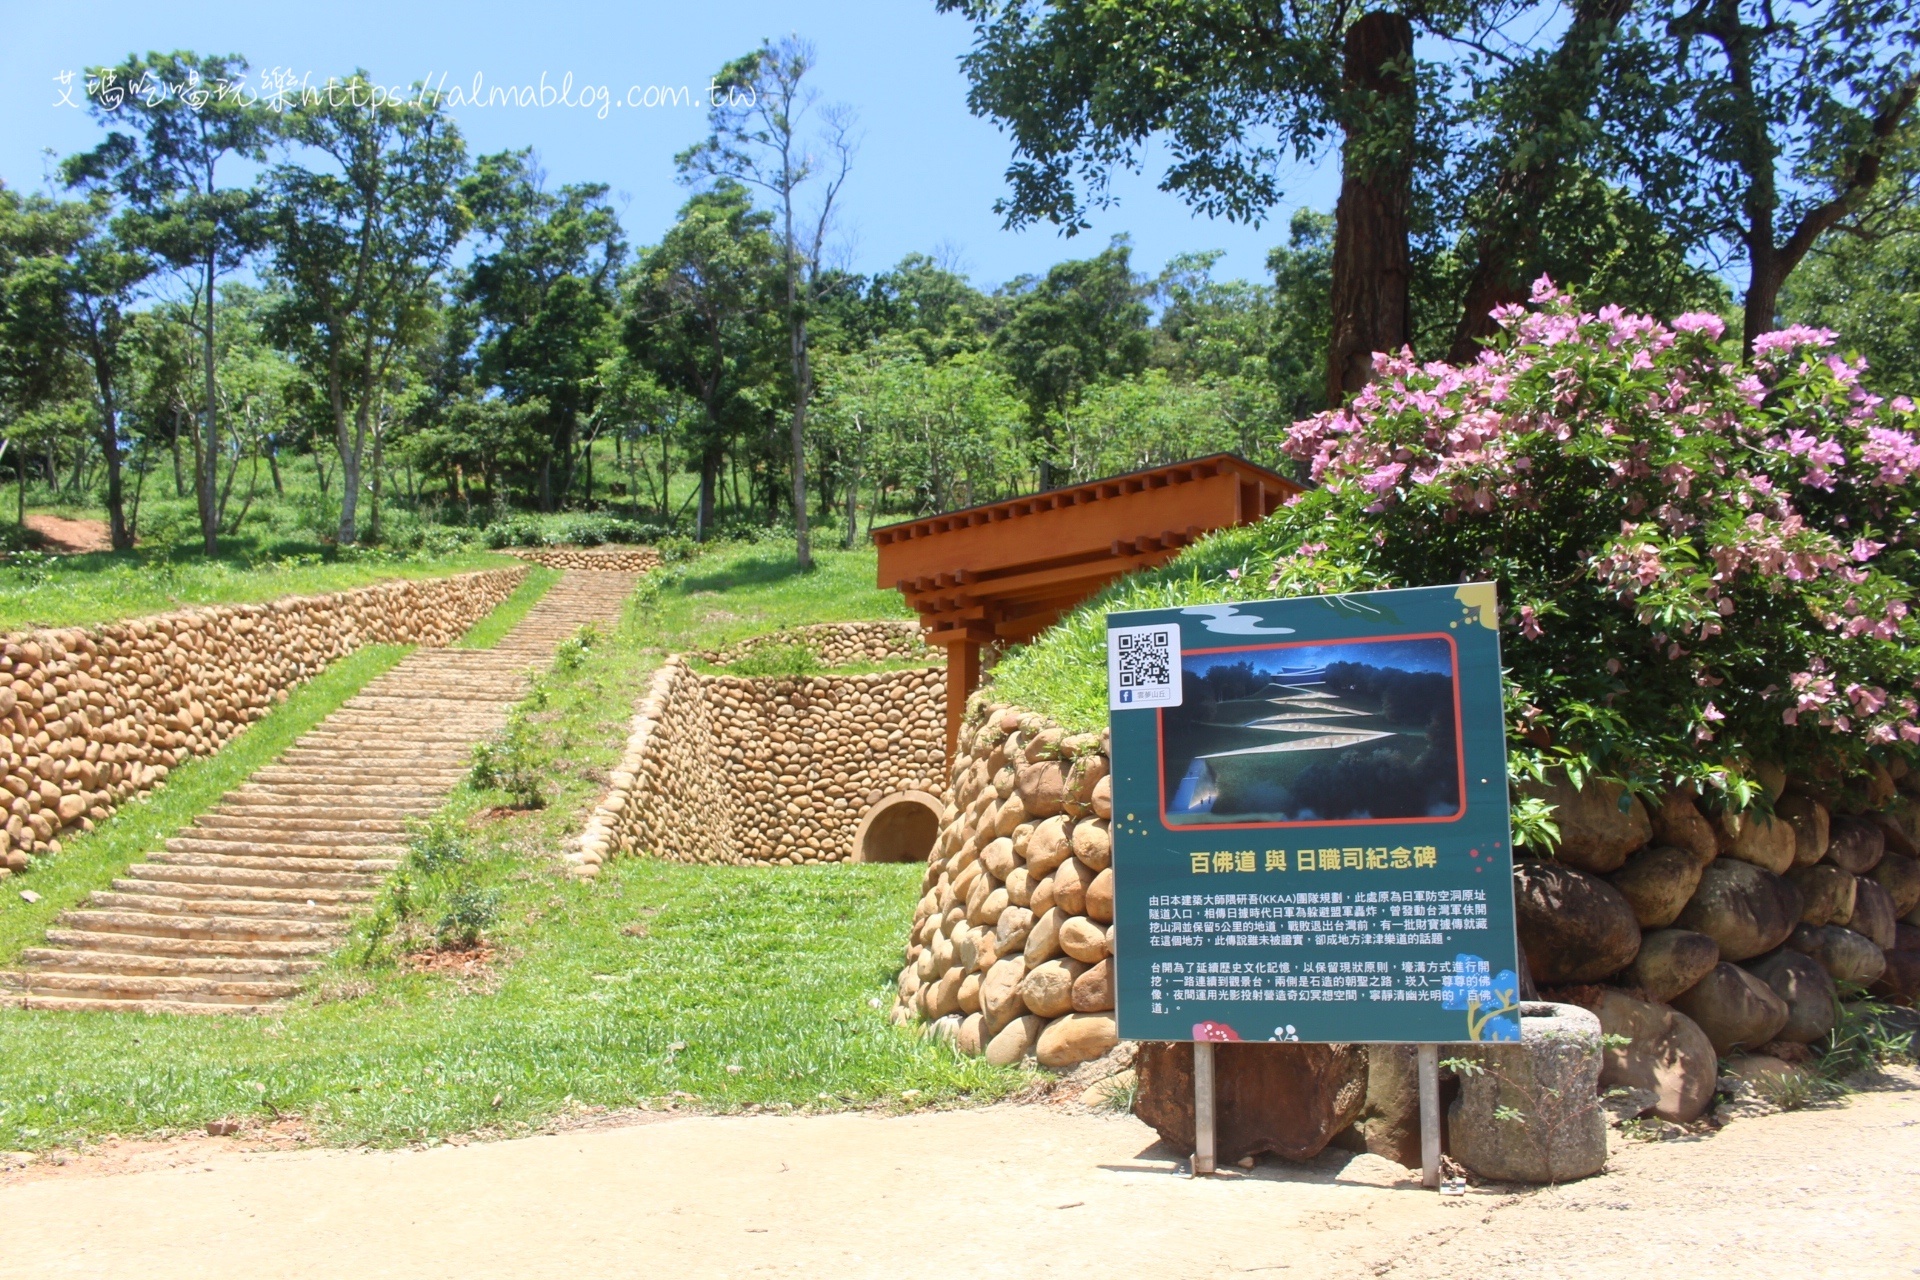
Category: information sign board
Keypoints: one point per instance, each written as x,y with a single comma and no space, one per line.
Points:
1310,828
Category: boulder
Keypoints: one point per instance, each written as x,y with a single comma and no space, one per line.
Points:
1574,927
998,857
1000,1001
1076,1038
1746,909
968,1039
1844,954
1551,1080
1100,897
1873,914
1900,979
1042,787
1048,988
1084,940
1600,823
1813,1002
1656,882
1010,934
1899,875
1043,940
1765,841
1048,847
1390,1122
1670,961
1093,990
1854,844
1287,1099
1826,893
1810,822
1667,1054
1015,1041
1678,822
1734,1008
1900,823
1092,843
1070,883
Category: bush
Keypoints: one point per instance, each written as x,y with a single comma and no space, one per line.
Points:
1702,565
779,659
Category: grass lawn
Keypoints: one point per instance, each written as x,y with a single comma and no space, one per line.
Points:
659,983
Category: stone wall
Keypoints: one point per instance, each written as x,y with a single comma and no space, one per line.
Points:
1718,941
838,644
737,769
605,559
1715,943
90,716
1011,945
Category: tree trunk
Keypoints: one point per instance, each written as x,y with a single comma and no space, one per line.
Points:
179,480
122,538
1371,260
349,443
273,468
709,476
209,457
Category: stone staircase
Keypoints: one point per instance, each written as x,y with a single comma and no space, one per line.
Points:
250,898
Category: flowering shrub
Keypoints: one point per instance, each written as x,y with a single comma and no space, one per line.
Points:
1702,564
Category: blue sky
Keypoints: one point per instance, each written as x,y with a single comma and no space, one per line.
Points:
1408,655
926,177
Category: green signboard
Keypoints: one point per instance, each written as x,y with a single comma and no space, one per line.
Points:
1310,829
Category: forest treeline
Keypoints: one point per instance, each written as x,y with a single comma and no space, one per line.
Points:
219,286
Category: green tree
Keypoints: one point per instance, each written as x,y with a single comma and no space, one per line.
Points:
68,297
1866,289
545,291
698,317
758,117
1083,321
182,130
359,245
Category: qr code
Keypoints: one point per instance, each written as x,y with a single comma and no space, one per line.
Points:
1145,660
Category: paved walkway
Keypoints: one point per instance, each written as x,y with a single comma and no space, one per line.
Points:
250,897
1011,1192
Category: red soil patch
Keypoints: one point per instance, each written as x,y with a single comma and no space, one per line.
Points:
465,961
66,537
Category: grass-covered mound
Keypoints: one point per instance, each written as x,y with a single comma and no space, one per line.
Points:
1703,564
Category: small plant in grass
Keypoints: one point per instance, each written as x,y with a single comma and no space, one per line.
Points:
1867,1035
1797,1090
782,659
470,912
572,653
512,763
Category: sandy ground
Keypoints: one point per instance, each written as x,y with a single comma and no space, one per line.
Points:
71,537
1001,1192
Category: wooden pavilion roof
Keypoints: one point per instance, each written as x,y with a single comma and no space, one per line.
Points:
1005,571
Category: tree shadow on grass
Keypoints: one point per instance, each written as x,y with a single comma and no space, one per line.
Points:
758,572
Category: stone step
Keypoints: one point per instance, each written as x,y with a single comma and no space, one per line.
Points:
199,989
273,833
130,962
71,1004
163,873
159,904
255,807
252,862
310,895
219,820
283,849
173,924
95,942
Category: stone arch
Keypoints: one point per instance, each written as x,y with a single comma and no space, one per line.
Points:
900,828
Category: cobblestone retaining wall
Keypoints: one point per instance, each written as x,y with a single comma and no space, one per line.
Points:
838,644
604,559
90,716
740,769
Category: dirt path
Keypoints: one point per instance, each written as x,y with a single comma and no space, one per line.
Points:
72,537
1003,1192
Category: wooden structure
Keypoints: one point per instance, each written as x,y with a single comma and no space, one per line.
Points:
1006,571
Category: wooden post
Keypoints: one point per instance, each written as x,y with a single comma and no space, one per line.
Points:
1429,1057
963,677
1203,1149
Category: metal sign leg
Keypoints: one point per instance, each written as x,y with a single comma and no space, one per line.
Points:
1203,1149
1429,1059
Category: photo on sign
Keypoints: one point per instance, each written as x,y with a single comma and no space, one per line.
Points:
1364,730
